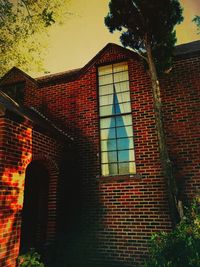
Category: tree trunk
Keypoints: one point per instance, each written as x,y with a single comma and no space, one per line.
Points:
166,163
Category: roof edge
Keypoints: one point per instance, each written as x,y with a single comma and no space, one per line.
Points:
107,46
15,69
82,70
31,114
187,50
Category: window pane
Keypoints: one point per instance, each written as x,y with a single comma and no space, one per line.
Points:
123,97
123,155
128,167
121,76
108,145
106,110
105,69
122,87
126,155
124,143
108,134
107,157
112,156
106,89
123,120
120,66
104,169
123,168
124,131
105,79
109,169
107,123
132,167
123,107
113,169
106,100
131,155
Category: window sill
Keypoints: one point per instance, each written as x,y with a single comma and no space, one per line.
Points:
120,178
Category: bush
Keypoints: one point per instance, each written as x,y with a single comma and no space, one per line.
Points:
30,259
181,247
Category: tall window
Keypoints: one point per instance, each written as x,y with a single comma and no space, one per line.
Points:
116,130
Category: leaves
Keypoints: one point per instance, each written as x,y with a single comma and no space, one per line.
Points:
143,20
24,26
30,259
180,247
197,21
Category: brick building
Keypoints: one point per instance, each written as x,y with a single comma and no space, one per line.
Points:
81,177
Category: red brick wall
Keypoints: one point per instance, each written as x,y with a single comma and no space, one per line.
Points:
181,102
119,214
19,145
135,206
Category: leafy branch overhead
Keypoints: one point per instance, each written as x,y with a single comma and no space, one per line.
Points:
197,21
24,26
143,20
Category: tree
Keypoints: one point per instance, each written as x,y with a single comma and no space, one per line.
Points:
148,29
24,26
197,21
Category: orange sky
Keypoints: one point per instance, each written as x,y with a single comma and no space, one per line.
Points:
187,31
84,34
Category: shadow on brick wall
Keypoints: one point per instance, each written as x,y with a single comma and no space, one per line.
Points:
78,207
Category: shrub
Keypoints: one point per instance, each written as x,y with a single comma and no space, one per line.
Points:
30,259
181,247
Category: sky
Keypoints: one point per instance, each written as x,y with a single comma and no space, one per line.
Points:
84,34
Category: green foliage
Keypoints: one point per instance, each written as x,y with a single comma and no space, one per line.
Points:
197,21
24,26
144,21
30,259
181,247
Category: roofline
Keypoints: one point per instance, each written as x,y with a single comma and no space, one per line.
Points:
82,70
32,115
187,55
94,59
64,77
21,72
187,50
92,62
61,77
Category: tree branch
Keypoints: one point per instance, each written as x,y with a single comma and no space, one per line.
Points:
27,9
140,54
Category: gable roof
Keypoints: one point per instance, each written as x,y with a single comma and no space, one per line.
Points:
75,73
184,50
19,72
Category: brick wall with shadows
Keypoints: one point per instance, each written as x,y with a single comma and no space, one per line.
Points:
78,206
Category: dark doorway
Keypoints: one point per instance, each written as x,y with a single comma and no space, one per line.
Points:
35,207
